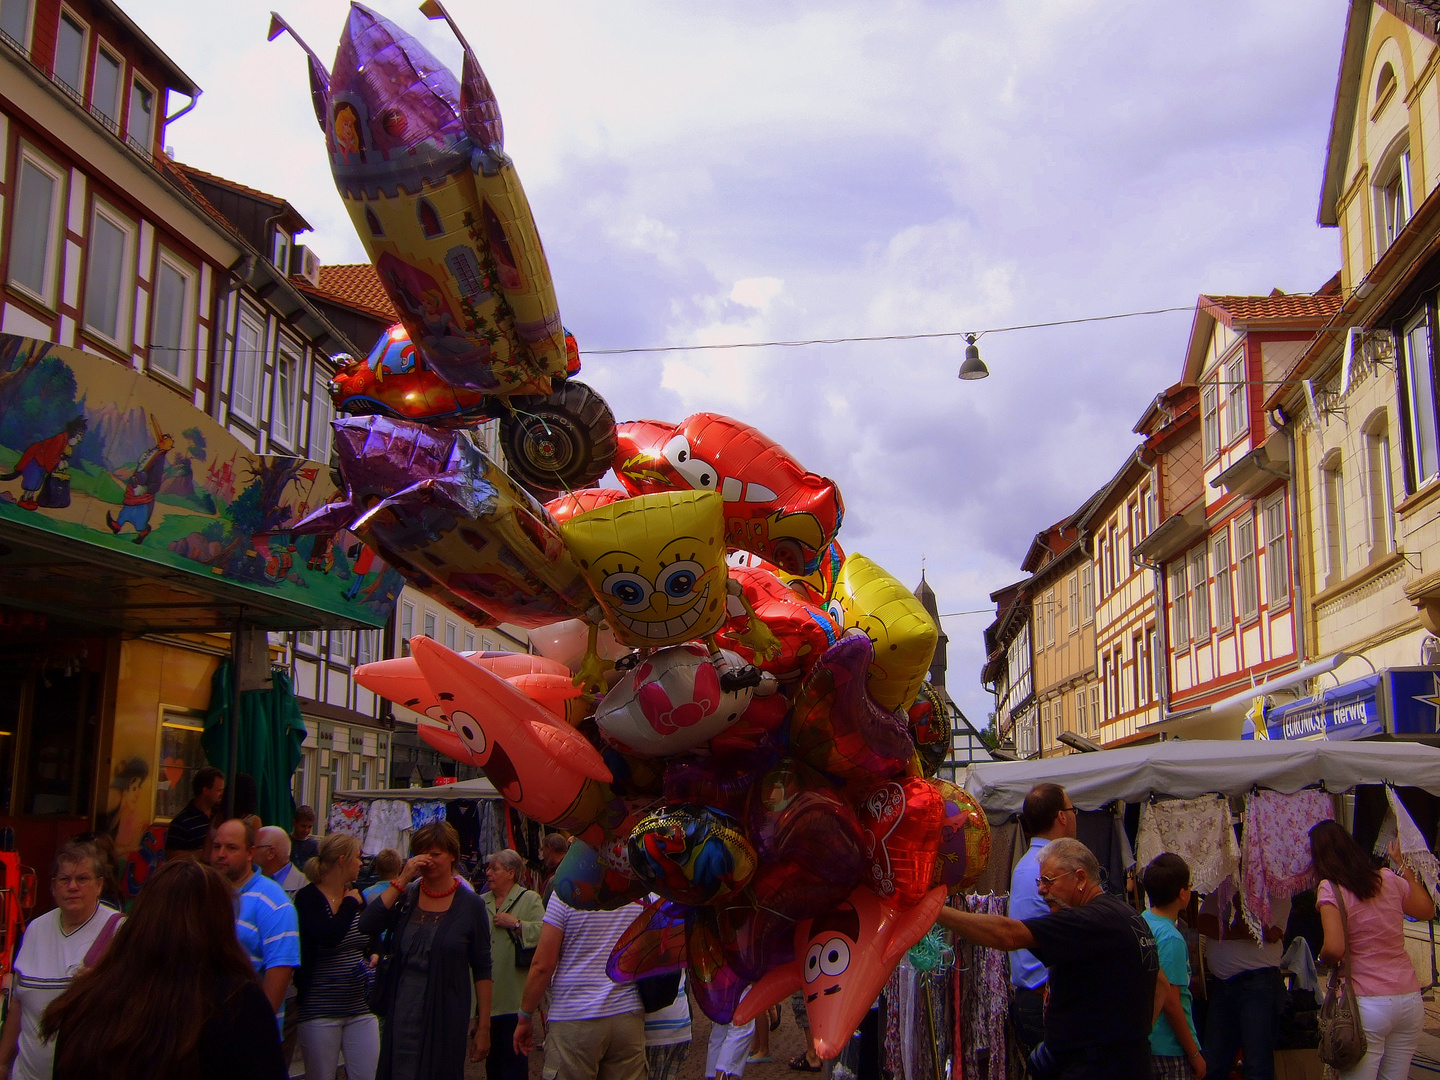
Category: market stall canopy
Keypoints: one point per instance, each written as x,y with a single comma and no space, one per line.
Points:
124,506
479,788
1184,769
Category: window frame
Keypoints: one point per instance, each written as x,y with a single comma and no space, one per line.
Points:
289,355
1087,594
185,368
1210,420
29,31
1180,603
1245,525
1224,608
245,319
112,123
1277,562
1417,475
50,269
430,621
1236,400
1073,593
469,640
146,147
1082,722
77,93
1199,559
406,623
452,634
1335,531
322,413
125,286
1392,199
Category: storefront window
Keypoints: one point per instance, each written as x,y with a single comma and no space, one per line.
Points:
180,757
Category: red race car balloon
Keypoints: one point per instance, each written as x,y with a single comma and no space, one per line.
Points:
773,507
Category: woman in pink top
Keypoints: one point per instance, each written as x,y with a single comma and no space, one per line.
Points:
1376,901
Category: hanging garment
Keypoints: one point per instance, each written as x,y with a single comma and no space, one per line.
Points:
349,817
388,819
1198,830
1276,860
984,1007
1300,962
1399,824
892,1059
464,814
425,812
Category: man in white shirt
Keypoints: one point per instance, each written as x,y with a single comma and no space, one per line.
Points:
1244,989
272,855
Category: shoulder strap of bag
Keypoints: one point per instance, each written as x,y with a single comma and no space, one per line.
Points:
1345,925
518,897
97,947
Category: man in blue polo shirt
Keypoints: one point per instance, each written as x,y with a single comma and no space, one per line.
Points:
265,920
1047,814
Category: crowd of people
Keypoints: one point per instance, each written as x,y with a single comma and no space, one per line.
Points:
250,942
1103,991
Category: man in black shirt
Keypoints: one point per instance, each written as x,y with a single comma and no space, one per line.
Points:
1105,988
188,833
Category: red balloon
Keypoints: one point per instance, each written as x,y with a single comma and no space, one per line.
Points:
568,505
805,631
773,507
900,822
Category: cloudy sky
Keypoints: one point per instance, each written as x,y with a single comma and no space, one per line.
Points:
742,171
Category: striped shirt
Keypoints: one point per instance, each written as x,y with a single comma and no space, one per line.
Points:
49,958
580,989
267,927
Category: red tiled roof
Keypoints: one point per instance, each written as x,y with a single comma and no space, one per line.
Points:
178,174
233,185
353,285
1277,307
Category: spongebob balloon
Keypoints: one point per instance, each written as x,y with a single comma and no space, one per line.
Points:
869,599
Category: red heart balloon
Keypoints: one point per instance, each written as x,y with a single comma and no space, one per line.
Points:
900,827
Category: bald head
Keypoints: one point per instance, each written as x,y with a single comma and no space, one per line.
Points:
272,849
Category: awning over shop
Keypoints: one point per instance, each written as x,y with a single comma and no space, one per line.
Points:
1184,769
124,506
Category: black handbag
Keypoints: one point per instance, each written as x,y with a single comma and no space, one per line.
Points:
524,954
384,967
658,991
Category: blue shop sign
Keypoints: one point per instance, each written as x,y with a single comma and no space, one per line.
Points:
1397,702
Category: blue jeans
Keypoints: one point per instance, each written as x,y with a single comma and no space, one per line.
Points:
1243,1012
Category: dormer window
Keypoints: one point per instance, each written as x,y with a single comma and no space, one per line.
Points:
1392,200
281,255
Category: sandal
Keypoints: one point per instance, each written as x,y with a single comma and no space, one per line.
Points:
775,1015
800,1064
759,1059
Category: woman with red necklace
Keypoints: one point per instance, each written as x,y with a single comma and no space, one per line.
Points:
438,942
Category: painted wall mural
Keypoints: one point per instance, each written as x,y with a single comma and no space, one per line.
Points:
98,452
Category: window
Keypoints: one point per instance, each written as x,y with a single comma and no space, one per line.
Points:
1050,617
1112,555
69,69
182,756
1245,567
305,639
249,355
287,385
1113,705
1332,488
469,641
1179,606
1224,588
450,631
1236,420
1101,558
1152,509
140,123
15,22
1277,555
1136,647
32,232
108,284
1199,595
430,622
1082,722
1087,593
1385,82
340,646
322,413
280,252
1392,202
1153,658
1420,395
1379,494
105,90
365,646
169,318
1210,419
1095,705
407,623
1074,603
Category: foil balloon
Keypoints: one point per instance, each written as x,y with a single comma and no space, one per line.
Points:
418,158
900,822
804,631
671,702
656,564
773,506
843,958
538,763
566,506
929,725
837,728
809,840
653,944
433,503
872,601
691,854
964,848
565,642
818,586
589,882
724,784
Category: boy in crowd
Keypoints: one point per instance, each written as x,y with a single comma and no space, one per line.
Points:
1175,1051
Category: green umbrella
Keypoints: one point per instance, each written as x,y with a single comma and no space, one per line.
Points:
271,733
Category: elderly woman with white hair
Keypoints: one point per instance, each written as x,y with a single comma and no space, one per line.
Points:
516,913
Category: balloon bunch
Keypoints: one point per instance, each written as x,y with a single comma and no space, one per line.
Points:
746,747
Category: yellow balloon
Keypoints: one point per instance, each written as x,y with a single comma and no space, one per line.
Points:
656,563
869,599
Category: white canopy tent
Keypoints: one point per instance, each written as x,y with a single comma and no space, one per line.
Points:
1186,769
479,788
